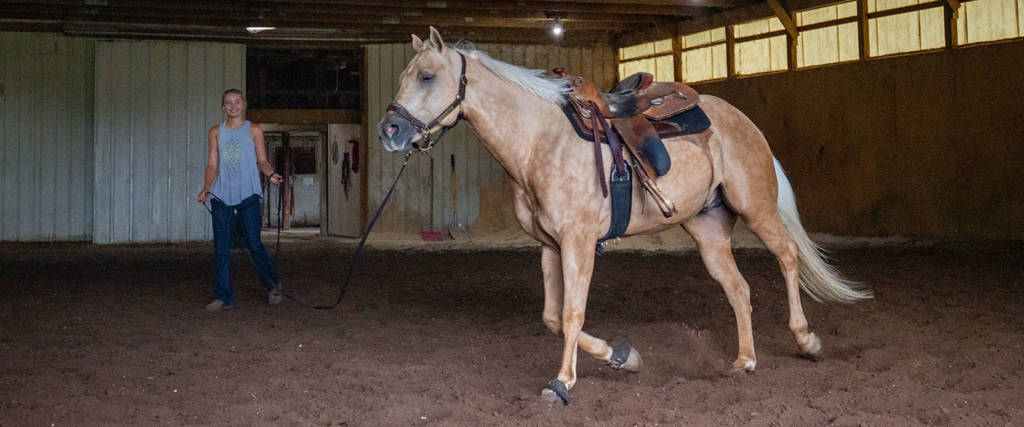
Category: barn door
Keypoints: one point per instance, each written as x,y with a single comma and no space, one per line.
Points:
343,165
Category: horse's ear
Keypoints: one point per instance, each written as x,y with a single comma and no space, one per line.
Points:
417,43
435,38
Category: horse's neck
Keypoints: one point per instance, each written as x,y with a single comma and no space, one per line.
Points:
509,120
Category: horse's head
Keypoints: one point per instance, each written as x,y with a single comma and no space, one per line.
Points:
429,95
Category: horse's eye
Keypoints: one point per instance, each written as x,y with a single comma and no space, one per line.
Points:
426,77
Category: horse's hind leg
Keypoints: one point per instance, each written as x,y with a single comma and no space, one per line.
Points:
711,230
768,227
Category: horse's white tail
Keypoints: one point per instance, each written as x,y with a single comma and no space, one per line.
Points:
819,279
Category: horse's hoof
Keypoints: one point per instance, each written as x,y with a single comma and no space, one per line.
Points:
549,396
743,365
813,349
626,358
556,391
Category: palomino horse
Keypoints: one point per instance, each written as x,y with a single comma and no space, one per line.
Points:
721,174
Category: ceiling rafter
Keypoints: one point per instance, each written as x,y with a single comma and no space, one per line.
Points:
353,22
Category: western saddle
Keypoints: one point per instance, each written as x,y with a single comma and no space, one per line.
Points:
641,112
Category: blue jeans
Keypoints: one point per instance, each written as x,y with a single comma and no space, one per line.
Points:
249,216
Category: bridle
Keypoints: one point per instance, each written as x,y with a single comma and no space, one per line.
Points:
425,130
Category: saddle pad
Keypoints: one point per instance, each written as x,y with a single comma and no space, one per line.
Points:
688,122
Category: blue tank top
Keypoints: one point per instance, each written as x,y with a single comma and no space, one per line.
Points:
238,175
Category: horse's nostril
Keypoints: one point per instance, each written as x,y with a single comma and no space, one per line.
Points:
391,130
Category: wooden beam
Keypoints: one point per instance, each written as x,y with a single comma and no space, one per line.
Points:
953,4
323,39
785,17
677,50
303,116
951,14
445,4
730,52
863,36
311,21
450,7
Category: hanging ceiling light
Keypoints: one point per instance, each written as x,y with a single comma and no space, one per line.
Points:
556,27
257,30
260,25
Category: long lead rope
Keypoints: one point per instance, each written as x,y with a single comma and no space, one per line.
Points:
355,256
359,249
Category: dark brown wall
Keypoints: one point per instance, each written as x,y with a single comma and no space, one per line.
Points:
926,144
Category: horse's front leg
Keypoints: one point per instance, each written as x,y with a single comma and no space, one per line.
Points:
566,284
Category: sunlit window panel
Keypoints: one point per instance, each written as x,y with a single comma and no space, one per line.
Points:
827,13
645,49
663,46
828,45
628,68
880,5
907,32
758,27
635,51
660,66
988,20
706,63
761,56
702,38
664,69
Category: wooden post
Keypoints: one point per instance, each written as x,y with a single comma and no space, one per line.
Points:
787,20
677,53
286,214
863,35
952,13
730,52
363,149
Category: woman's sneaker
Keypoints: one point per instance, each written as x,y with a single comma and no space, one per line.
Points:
218,305
274,297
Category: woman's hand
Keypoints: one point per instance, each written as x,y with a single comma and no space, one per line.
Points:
203,195
275,178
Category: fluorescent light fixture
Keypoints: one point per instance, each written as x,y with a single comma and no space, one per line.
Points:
257,30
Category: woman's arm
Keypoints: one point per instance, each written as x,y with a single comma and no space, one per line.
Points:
211,164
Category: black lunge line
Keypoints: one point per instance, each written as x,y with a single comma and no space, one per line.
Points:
355,256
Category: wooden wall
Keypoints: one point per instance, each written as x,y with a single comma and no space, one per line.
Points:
46,138
155,102
927,144
409,209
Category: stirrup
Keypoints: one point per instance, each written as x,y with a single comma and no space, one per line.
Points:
667,207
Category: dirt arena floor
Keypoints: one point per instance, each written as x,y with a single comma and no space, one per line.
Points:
99,335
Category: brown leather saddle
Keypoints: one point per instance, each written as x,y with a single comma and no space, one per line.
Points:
639,111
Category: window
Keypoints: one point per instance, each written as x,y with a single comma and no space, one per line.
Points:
988,20
832,36
653,57
703,55
760,46
920,28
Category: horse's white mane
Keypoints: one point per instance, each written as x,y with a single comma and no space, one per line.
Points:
551,89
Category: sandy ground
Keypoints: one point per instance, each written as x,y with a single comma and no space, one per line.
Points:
449,333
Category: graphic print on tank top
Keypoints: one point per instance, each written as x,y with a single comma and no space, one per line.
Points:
232,156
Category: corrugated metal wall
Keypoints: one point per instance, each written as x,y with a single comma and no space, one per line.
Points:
155,102
46,96
409,209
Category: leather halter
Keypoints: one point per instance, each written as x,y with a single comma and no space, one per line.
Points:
426,129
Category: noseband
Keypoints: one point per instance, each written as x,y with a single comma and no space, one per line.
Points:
425,130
